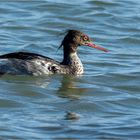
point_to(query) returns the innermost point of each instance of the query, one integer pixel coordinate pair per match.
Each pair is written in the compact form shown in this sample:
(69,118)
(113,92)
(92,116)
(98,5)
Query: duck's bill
(96,47)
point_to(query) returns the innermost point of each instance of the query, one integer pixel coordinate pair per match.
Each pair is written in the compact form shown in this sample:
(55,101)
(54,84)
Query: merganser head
(75,38)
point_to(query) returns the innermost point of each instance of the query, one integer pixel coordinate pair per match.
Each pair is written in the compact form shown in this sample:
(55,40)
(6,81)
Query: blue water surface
(106,98)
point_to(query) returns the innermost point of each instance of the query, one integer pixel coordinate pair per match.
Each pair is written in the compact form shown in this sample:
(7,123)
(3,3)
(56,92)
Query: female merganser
(20,63)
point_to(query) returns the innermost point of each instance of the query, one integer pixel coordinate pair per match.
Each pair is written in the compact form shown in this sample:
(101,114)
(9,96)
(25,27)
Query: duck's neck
(71,59)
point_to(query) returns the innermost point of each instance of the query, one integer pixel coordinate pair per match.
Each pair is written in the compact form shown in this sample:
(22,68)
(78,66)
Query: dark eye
(85,38)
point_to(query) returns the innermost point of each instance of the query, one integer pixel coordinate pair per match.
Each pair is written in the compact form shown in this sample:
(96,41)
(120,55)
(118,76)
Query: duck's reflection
(65,86)
(69,87)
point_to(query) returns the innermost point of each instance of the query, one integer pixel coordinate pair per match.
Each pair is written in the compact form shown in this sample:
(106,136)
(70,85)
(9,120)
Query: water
(106,98)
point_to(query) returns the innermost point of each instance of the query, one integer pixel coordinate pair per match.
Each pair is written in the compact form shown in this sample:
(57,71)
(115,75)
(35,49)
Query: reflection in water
(64,85)
(68,88)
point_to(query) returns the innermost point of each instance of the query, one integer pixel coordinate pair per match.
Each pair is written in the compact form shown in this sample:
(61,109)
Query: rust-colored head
(75,38)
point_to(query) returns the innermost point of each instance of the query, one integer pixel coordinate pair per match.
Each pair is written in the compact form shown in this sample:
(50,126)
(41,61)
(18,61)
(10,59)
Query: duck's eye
(85,38)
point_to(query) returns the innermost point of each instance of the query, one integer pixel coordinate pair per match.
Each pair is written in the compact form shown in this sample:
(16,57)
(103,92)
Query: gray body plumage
(39,65)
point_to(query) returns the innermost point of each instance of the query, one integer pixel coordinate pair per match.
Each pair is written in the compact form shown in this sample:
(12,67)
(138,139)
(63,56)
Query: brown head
(75,38)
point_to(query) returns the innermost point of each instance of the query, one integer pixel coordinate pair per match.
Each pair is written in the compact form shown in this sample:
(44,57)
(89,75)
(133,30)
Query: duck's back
(27,63)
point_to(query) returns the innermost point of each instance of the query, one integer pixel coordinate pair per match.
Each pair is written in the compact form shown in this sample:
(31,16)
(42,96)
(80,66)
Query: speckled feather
(33,64)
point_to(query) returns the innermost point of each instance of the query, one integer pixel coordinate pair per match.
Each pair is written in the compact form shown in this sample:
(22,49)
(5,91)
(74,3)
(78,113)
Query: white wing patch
(32,67)
(44,67)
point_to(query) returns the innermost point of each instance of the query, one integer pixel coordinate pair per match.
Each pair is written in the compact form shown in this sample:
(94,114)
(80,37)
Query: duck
(27,63)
